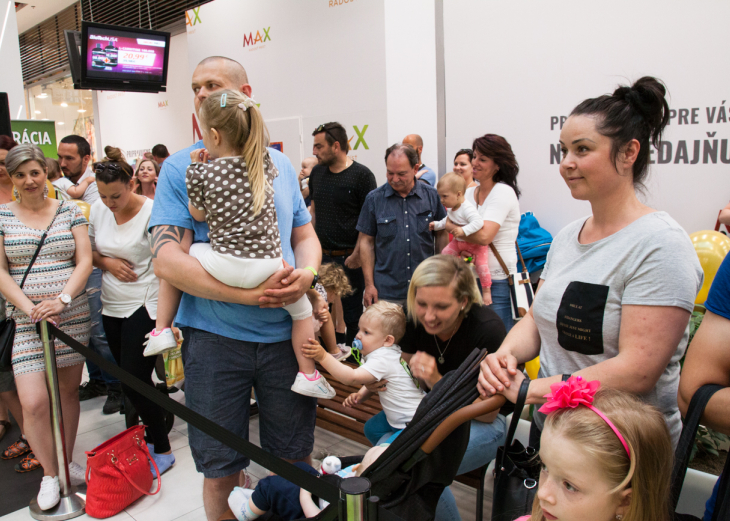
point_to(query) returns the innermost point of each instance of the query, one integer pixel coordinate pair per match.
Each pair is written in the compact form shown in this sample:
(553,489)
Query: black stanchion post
(71,504)
(354,493)
(372,508)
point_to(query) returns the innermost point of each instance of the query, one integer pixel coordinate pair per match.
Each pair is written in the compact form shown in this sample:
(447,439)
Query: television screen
(123,57)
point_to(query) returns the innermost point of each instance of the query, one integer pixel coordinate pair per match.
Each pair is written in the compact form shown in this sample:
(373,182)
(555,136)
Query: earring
(16,194)
(45,191)
(619,517)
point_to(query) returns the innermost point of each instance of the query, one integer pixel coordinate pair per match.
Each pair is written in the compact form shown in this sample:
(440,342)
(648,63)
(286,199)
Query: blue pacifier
(356,345)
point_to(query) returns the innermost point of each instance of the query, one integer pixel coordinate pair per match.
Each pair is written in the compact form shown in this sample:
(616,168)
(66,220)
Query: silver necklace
(441,353)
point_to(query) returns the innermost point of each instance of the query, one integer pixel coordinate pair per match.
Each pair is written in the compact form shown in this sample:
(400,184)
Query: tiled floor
(181,496)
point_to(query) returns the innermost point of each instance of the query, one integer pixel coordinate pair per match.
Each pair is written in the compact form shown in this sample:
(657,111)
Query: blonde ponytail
(242,127)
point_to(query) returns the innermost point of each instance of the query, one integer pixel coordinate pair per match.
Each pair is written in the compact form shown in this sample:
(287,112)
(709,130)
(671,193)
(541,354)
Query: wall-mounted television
(110,57)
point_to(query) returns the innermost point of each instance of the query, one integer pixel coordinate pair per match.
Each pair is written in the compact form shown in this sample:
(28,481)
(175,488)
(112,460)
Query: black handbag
(684,449)
(517,471)
(7,326)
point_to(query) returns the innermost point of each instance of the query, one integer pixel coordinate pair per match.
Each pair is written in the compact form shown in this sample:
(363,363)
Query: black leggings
(126,337)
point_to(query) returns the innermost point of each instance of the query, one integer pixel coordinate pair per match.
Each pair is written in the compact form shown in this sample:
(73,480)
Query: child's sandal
(17,449)
(28,464)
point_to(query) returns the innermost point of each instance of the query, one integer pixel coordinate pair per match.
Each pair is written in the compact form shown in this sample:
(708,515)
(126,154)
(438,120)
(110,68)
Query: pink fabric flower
(570,394)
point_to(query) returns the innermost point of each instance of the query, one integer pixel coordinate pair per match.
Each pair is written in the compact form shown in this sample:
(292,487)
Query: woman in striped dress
(54,290)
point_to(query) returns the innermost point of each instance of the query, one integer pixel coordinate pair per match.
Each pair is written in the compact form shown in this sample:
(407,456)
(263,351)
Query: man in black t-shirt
(338,186)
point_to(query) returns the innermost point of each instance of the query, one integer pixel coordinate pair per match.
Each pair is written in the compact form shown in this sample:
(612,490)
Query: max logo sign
(360,137)
(249,39)
(192,17)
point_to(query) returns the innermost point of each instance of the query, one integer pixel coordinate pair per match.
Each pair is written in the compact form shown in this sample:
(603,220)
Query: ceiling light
(64,104)
(87,98)
(42,95)
(82,110)
(37,111)
(60,122)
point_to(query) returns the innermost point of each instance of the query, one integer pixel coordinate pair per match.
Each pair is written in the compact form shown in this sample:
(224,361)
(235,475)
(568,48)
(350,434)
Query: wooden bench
(349,422)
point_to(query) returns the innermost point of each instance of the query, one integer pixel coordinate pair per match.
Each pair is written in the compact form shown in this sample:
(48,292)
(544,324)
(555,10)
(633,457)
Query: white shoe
(50,493)
(344,352)
(78,474)
(317,388)
(159,342)
(237,501)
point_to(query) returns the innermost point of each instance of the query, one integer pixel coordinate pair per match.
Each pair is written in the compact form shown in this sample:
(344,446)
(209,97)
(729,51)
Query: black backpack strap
(722,503)
(686,440)
(519,405)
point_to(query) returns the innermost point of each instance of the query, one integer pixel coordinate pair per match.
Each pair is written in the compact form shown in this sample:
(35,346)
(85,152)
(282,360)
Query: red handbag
(118,473)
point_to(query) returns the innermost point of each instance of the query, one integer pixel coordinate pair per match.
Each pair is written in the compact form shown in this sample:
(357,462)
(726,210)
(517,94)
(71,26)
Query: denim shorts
(219,374)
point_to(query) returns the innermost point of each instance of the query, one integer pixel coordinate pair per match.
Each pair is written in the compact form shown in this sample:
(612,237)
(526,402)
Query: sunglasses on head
(105,165)
(464,151)
(323,128)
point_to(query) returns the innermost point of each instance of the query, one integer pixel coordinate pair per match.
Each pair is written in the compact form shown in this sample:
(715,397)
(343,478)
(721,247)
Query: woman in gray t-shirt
(618,287)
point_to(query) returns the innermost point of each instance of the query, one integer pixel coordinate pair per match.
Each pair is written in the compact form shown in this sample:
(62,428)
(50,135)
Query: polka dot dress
(221,188)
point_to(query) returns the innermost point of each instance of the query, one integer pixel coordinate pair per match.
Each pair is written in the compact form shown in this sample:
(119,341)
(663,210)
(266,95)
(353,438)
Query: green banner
(41,133)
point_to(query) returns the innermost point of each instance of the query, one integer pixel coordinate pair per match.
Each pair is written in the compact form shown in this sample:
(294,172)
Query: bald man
(234,338)
(424,172)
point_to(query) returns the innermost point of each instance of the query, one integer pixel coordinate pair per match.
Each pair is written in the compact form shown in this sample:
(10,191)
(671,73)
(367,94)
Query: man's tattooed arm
(165,234)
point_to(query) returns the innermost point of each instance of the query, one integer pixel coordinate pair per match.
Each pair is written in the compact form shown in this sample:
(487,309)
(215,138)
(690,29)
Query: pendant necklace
(442,353)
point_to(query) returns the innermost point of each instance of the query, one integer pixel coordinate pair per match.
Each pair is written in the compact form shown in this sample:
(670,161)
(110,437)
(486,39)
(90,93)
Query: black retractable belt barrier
(286,470)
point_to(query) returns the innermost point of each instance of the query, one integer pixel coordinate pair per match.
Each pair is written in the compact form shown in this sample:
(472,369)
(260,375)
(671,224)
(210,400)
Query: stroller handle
(479,408)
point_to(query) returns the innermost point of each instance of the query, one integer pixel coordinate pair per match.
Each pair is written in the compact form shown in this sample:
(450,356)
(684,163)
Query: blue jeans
(97,337)
(484,440)
(711,503)
(501,303)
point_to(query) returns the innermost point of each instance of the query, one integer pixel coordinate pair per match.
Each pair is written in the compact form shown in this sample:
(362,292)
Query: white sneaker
(344,352)
(317,388)
(159,342)
(237,501)
(78,474)
(50,493)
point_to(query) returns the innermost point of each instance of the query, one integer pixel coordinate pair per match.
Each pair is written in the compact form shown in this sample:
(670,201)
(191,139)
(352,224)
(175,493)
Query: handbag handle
(501,262)
(686,440)
(519,405)
(519,253)
(120,468)
(38,250)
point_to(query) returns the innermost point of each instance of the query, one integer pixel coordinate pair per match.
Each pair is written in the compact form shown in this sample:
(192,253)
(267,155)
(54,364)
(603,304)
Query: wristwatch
(65,299)
(316,276)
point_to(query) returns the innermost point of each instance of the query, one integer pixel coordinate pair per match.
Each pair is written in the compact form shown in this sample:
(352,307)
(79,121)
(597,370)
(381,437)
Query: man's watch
(316,276)
(65,299)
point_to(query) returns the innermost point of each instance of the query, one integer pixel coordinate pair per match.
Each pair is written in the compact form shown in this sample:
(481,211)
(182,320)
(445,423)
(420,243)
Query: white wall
(135,122)
(11,78)
(511,67)
(410,64)
(319,63)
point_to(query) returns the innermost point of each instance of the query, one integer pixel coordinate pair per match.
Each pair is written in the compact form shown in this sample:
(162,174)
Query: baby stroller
(411,474)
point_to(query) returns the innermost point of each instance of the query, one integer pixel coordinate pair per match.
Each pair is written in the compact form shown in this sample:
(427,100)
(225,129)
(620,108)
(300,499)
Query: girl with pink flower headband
(605,456)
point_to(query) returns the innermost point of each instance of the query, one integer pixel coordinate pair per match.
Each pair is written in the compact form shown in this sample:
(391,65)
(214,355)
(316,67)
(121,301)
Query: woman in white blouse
(495,169)
(120,240)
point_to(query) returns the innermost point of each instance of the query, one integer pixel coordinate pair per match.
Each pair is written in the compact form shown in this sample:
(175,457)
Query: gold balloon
(83,206)
(533,367)
(711,248)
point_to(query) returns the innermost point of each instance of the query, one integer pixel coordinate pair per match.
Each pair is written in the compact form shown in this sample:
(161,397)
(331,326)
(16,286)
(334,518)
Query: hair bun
(113,153)
(647,97)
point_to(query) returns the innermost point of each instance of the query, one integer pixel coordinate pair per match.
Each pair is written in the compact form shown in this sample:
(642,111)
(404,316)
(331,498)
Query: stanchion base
(69,507)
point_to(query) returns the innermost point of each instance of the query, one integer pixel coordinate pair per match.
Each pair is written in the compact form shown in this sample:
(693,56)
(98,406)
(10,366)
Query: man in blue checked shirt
(393,225)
